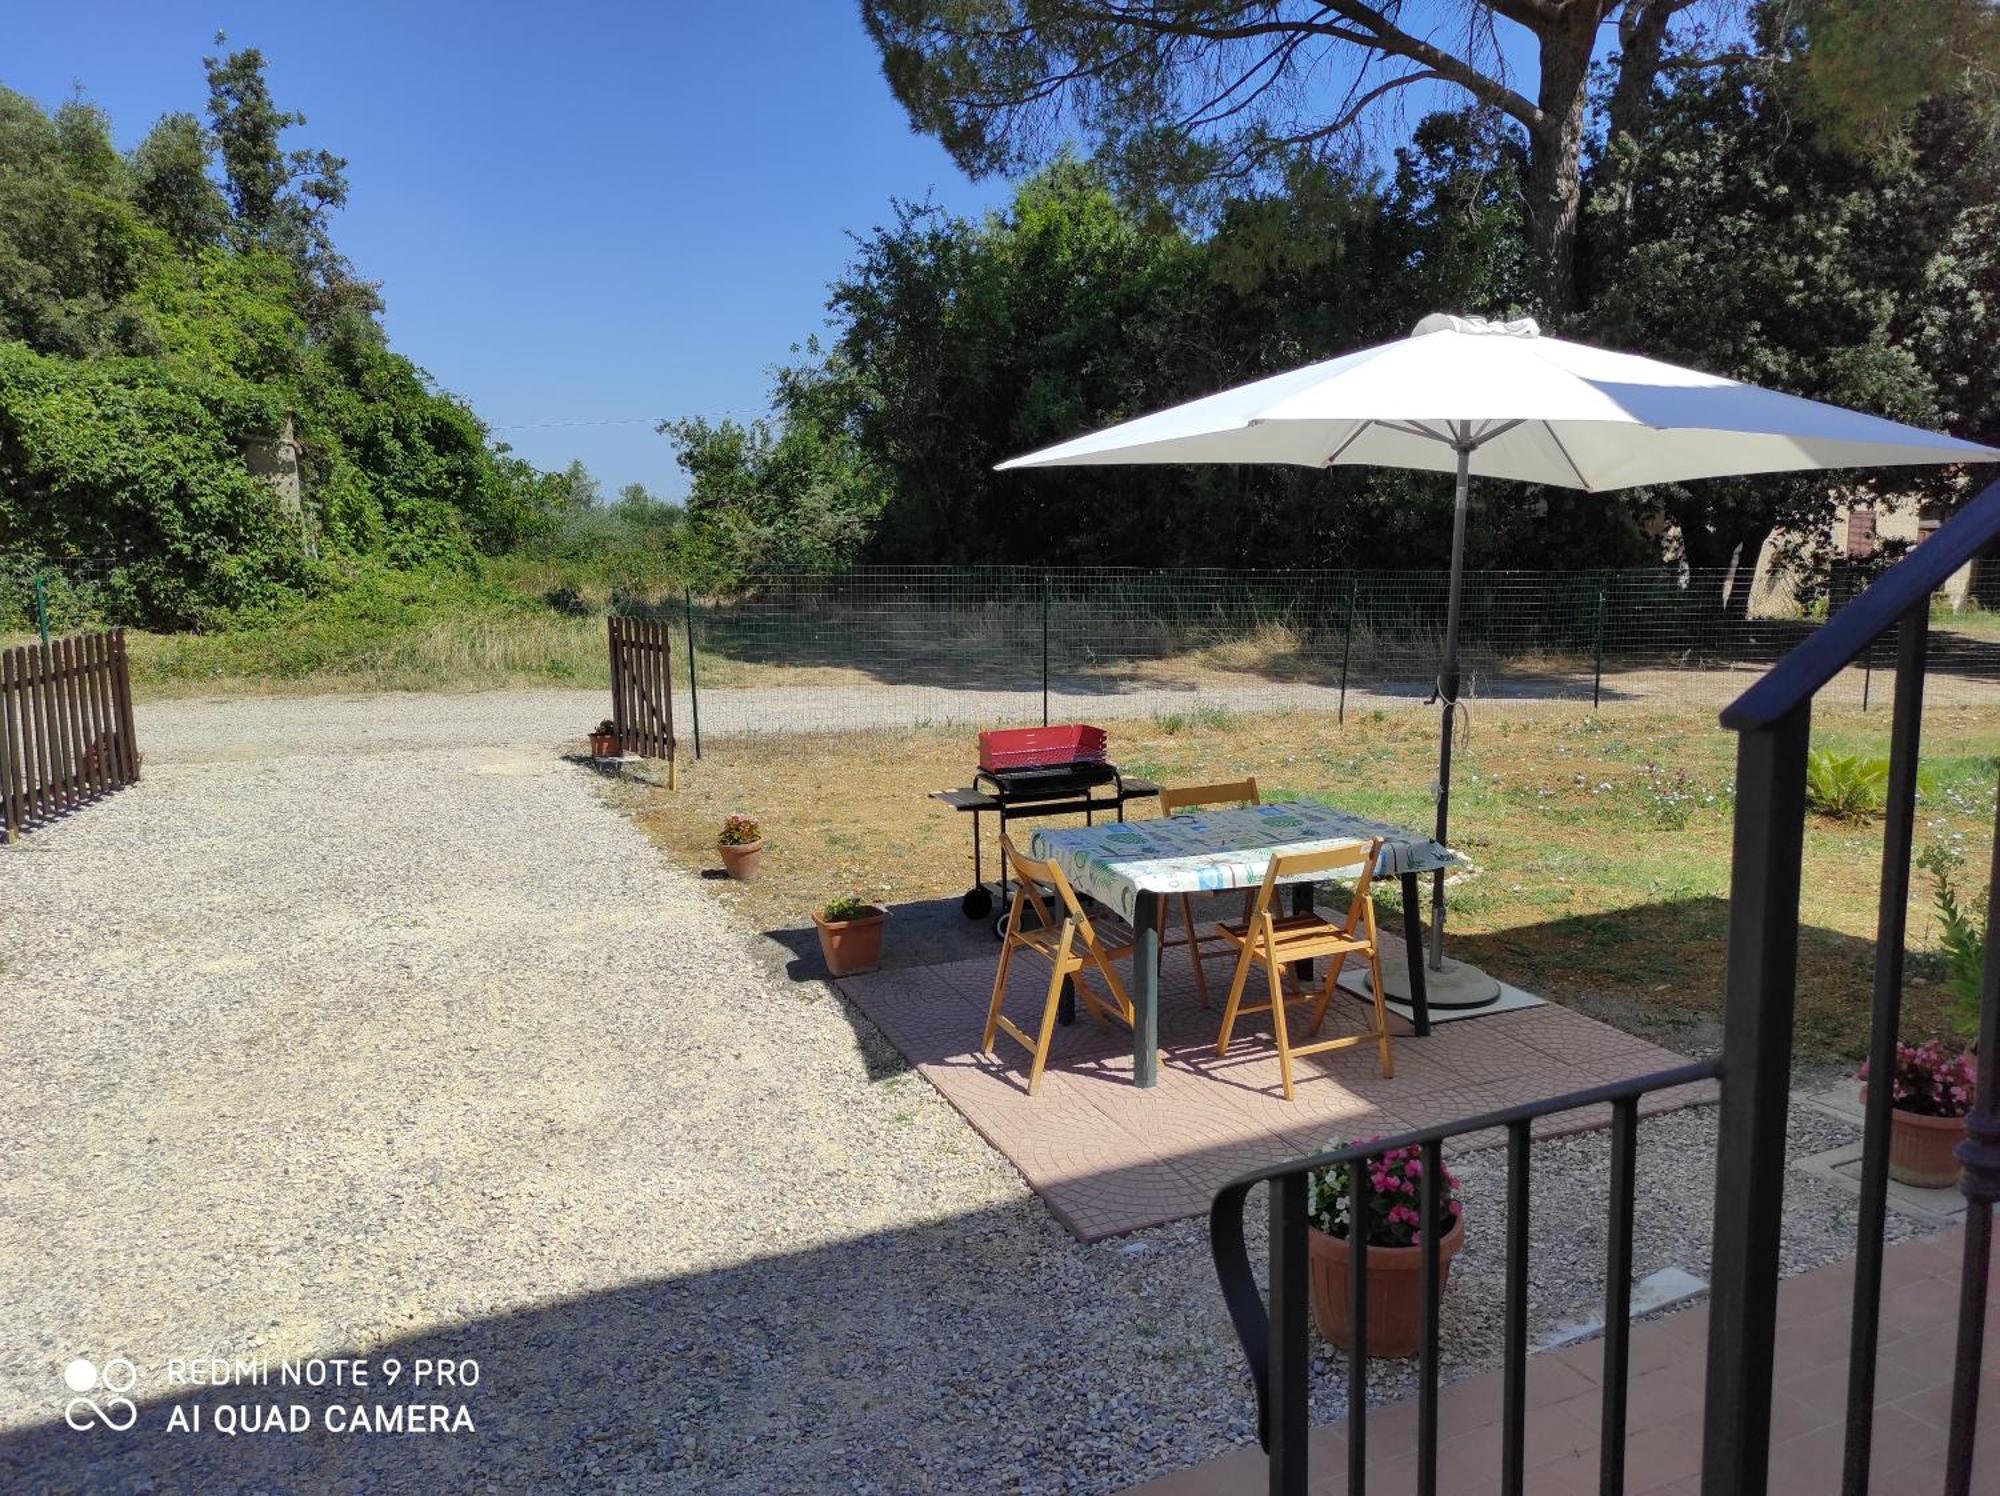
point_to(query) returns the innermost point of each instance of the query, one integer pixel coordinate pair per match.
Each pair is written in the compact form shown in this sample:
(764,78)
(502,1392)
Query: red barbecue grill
(1037,772)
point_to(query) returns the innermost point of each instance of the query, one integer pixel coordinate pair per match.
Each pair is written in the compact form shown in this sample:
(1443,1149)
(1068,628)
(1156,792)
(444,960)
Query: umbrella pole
(1448,691)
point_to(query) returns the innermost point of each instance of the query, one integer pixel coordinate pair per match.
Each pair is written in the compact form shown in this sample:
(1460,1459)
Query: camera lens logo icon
(115,1378)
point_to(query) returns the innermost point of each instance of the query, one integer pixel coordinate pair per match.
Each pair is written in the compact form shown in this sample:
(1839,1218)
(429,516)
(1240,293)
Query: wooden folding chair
(1068,947)
(1275,941)
(1191,797)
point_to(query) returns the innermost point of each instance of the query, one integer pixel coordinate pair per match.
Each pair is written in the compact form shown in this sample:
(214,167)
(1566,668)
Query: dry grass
(1602,841)
(477,653)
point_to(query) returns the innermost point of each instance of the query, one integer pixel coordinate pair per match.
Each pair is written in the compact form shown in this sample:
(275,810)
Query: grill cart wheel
(977,903)
(1000,927)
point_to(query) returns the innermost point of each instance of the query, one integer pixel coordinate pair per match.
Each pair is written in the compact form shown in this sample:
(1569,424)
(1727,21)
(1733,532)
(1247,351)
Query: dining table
(1133,867)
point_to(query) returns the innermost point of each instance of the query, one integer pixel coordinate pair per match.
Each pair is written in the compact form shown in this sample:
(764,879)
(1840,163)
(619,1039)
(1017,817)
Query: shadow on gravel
(815,1369)
(923,932)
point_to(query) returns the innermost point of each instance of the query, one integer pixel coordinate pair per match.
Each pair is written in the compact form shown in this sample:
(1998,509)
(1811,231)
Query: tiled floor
(1665,1403)
(1110,1158)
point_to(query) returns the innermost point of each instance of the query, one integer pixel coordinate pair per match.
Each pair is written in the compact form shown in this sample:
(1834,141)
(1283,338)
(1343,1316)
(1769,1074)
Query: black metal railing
(1773,723)
(1274,1338)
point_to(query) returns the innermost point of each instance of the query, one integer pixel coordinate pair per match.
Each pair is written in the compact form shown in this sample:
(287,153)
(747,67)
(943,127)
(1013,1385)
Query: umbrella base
(1453,989)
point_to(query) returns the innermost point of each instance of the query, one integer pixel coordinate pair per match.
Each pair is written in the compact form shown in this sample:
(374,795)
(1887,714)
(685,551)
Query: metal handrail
(1245,1303)
(1844,637)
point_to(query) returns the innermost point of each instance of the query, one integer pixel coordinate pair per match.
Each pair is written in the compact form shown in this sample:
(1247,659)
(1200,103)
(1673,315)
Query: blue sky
(581,214)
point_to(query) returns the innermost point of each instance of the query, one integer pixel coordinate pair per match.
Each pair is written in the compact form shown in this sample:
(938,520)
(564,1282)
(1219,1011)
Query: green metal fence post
(1347,645)
(42,607)
(1597,669)
(694,691)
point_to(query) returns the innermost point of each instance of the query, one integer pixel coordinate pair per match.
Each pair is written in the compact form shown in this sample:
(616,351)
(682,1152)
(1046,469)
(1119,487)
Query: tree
(171,183)
(1192,96)
(283,200)
(71,247)
(1182,94)
(796,494)
(1867,66)
(147,338)
(581,490)
(1742,239)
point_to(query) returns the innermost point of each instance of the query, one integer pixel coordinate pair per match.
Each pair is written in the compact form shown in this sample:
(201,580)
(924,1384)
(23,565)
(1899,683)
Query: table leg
(1413,953)
(1146,990)
(1302,903)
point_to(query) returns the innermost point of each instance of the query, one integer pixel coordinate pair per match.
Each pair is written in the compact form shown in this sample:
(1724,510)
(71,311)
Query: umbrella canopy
(1499,400)
(1527,407)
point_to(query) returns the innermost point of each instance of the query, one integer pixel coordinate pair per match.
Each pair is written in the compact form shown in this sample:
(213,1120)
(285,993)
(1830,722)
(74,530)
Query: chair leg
(1000,983)
(1098,1008)
(1333,968)
(1236,981)
(1381,1015)
(1194,950)
(1278,1024)
(1046,1031)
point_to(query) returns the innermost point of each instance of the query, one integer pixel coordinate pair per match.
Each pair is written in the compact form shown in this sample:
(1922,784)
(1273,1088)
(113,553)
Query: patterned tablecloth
(1208,851)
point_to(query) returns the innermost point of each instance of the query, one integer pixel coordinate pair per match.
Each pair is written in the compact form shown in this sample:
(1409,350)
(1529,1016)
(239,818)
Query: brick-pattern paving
(1109,1157)
(1663,1438)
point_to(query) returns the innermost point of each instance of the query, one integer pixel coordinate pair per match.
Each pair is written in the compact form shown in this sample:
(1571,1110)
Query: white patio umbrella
(1499,400)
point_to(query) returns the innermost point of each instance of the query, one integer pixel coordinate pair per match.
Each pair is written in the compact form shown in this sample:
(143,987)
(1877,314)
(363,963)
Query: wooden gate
(65,727)
(642,695)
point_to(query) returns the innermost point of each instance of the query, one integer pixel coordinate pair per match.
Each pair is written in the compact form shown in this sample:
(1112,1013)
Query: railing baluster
(1290,1394)
(1979,1181)
(1891,916)
(1514,1398)
(1758,999)
(1277,1353)
(1618,1295)
(1427,1357)
(1357,1326)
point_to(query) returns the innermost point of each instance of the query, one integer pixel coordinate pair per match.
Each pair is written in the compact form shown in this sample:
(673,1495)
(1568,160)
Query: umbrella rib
(1581,481)
(1341,450)
(1501,430)
(1417,428)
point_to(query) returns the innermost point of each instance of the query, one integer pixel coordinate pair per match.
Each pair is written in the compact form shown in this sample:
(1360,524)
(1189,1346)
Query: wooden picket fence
(642,695)
(65,727)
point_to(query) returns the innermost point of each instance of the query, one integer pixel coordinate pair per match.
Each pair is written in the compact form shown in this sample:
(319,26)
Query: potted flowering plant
(850,935)
(604,739)
(741,845)
(1929,1095)
(1394,1234)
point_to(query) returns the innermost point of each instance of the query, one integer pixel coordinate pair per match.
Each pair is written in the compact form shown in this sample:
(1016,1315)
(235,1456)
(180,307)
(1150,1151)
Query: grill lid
(1014,748)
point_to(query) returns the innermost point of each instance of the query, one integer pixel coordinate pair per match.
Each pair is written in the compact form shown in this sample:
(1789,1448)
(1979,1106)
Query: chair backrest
(1190,796)
(1029,872)
(1362,852)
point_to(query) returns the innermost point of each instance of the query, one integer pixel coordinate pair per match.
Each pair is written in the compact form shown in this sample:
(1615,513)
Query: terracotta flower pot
(852,945)
(741,862)
(1921,1149)
(1395,1290)
(603,744)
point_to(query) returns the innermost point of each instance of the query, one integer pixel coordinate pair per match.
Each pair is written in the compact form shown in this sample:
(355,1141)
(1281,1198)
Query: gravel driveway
(364,1028)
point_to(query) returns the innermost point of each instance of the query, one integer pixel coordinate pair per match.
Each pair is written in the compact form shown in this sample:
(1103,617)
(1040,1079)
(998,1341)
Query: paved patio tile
(1109,1158)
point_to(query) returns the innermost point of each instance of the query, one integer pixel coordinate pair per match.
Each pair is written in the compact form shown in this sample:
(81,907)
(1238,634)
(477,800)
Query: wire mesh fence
(57,596)
(790,652)
(900,646)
